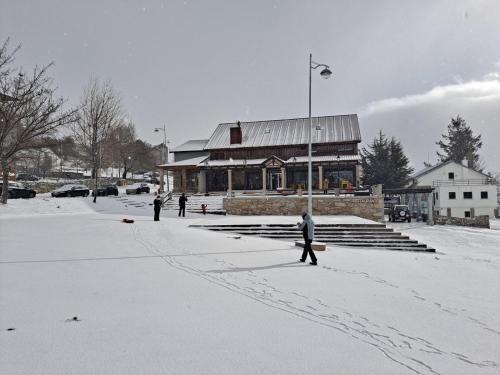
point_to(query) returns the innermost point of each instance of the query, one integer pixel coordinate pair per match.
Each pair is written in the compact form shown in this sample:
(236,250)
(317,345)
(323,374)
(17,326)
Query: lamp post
(338,172)
(325,73)
(165,159)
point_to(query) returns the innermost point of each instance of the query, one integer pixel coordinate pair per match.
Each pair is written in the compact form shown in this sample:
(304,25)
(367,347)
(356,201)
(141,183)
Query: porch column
(320,172)
(357,174)
(283,177)
(430,209)
(229,180)
(264,183)
(202,181)
(183,180)
(162,175)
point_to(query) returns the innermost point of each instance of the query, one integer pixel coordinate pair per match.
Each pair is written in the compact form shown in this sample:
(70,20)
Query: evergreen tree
(384,162)
(460,144)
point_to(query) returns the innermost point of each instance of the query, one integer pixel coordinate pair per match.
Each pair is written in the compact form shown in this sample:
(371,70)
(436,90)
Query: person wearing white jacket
(307,228)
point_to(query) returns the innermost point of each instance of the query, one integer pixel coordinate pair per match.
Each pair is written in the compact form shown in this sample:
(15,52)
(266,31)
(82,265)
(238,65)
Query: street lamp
(338,172)
(325,73)
(165,147)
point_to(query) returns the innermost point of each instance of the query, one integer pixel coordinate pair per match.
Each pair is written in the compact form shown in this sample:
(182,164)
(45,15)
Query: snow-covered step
(352,235)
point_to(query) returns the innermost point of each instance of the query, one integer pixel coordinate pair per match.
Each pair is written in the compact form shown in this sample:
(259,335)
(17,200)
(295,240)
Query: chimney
(235,134)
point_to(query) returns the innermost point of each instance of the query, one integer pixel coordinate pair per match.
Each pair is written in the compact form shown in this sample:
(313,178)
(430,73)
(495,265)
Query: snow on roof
(187,162)
(233,162)
(303,159)
(326,129)
(437,166)
(191,145)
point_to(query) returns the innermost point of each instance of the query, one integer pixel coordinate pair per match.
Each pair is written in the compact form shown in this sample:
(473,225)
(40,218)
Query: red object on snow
(128,221)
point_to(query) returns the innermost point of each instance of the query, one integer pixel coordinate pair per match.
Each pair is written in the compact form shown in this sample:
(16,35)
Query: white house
(458,190)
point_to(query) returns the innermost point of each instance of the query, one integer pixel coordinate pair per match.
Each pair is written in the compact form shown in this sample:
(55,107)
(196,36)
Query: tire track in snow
(399,348)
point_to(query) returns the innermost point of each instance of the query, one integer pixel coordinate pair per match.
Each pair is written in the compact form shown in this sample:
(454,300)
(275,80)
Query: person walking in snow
(307,228)
(157,206)
(182,204)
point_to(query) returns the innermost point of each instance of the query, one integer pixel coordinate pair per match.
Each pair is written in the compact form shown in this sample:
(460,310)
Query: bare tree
(119,146)
(100,112)
(29,111)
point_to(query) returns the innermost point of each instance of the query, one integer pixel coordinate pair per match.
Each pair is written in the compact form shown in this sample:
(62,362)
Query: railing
(472,181)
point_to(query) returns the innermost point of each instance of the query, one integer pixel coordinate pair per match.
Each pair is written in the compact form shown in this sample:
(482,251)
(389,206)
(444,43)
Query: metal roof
(191,145)
(326,129)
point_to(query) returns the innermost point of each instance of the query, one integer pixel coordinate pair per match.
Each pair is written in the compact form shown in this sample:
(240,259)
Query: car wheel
(116,194)
(409,219)
(85,194)
(138,191)
(32,194)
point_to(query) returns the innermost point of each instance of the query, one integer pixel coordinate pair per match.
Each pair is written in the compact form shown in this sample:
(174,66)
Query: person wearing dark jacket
(182,204)
(157,206)
(307,228)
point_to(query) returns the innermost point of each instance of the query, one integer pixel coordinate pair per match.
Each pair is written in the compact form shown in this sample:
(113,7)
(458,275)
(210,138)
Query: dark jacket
(157,203)
(182,200)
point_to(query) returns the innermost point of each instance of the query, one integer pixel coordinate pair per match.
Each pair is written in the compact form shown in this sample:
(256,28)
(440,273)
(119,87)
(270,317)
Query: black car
(18,191)
(26,177)
(71,191)
(400,212)
(137,188)
(106,190)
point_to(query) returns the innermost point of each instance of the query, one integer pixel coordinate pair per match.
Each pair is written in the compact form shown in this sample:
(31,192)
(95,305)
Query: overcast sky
(405,67)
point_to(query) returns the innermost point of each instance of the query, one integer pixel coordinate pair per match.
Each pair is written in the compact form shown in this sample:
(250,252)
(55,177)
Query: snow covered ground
(163,298)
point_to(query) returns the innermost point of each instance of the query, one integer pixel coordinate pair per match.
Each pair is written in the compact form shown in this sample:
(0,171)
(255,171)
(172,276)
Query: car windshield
(401,207)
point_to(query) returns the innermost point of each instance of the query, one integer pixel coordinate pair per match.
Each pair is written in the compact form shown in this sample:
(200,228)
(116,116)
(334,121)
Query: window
(437,195)
(467,194)
(452,195)
(484,195)
(451,175)
(467,213)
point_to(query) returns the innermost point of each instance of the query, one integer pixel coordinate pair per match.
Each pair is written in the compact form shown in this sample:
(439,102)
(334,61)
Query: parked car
(400,212)
(71,191)
(16,190)
(137,188)
(106,190)
(26,177)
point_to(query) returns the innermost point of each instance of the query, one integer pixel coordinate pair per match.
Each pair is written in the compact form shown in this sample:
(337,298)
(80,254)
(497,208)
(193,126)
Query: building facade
(271,155)
(459,191)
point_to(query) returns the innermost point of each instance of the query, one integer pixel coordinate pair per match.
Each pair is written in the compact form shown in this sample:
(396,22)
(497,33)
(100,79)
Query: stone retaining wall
(371,208)
(482,221)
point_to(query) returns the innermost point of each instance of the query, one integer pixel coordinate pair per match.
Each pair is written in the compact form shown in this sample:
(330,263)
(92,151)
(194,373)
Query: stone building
(270,155)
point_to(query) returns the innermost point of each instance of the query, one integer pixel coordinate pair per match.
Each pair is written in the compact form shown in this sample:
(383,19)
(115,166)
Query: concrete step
(267,235)
(351,235)
(251,227)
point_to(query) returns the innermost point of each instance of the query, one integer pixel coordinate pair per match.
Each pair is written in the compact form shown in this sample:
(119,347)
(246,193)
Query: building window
(452,195)
(451,175)
(437,196)
(484,195)
(467,194)
(467,213)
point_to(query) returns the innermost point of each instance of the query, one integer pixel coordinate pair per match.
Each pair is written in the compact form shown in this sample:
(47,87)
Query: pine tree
(460,144)
(384,162)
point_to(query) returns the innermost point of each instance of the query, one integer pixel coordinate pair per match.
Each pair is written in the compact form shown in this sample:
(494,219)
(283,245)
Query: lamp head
(326,73)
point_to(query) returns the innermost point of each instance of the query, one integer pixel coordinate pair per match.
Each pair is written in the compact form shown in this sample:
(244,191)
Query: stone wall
(482,221)
(371,208)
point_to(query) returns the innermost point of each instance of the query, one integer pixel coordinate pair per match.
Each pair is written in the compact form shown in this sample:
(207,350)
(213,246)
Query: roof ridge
(288,119)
